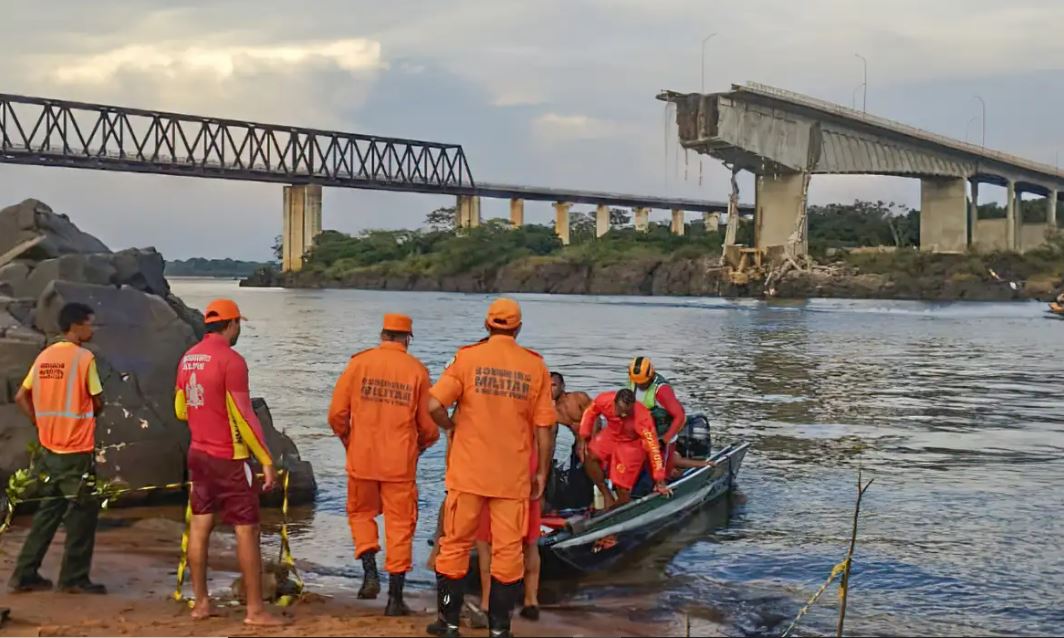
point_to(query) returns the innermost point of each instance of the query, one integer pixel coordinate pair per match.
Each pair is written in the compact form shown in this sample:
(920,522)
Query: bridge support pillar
(561,221)
(973,214)
(301,224)
(517,212)
(602,220)
(677,222)
(467,211)
(1011,236)
(943,215)
(711,221)
(1051,208)
(779,202)
(642,219)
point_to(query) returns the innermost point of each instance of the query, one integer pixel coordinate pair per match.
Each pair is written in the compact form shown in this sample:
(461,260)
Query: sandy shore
(136,559)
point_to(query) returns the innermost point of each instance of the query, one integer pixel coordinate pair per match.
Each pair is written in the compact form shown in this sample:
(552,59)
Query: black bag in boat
(568,486)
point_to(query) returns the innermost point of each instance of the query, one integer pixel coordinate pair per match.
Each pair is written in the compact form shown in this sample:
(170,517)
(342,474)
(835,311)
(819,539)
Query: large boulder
(33,218)
(143,330)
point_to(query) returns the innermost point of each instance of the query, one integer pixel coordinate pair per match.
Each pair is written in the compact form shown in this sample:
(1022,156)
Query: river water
(954,410)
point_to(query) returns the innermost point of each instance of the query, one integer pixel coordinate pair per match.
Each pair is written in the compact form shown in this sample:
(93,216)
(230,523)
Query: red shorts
(622,459)
(535,518)
(226,487)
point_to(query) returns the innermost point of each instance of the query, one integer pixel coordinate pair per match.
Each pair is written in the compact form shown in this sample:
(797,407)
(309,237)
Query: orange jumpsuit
(503,394)
(623,444)
(380,411)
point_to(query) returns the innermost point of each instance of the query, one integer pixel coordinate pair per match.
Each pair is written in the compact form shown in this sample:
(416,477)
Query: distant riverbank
(913,276)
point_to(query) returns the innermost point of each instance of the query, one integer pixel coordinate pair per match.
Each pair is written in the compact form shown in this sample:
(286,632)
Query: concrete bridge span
(785,137)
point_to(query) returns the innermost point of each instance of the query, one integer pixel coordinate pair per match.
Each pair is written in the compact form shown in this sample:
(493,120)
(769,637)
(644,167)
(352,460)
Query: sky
(553,94)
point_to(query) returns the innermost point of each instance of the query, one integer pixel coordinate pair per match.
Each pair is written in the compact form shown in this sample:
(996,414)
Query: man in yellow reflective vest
(62,395)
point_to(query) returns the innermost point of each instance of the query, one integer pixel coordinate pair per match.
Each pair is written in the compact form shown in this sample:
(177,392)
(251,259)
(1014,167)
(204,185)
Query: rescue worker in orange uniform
(655,393)
(503,394)
(622,446)
(380,412)
(62,396)
(212,395)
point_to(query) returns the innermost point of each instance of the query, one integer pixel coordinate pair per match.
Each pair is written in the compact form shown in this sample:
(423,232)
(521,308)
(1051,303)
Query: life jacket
(66,422)
(662,418)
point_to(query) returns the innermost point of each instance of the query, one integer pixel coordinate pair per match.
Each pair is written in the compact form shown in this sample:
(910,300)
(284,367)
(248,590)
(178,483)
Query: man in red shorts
(627,440)
(213,396)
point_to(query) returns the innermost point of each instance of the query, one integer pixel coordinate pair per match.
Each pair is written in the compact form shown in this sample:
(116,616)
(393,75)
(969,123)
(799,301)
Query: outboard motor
(695,440)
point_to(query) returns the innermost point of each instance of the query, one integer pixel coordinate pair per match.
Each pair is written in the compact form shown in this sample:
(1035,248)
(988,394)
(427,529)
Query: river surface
(954,409)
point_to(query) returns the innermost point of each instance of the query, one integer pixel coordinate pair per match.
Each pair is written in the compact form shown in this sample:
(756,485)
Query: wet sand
(136,560)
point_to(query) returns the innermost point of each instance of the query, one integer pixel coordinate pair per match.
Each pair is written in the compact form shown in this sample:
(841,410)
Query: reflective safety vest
(662,418)
(66,422)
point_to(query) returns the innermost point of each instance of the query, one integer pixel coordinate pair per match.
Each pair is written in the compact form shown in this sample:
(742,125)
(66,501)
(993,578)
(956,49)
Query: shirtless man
(570,406)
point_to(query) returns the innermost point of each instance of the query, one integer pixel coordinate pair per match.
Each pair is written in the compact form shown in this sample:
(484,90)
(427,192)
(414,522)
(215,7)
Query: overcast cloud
(540,93)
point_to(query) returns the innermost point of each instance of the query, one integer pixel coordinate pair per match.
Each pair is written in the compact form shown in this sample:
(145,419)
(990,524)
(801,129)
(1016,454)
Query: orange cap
(398,323)
(503,313)
(222,310)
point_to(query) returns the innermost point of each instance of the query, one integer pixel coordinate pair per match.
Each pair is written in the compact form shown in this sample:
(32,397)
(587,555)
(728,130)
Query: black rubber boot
(371,580)
(449,598)
(501,605)
(396,606)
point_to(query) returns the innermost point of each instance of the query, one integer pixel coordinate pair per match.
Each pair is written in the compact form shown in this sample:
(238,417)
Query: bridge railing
(76,134)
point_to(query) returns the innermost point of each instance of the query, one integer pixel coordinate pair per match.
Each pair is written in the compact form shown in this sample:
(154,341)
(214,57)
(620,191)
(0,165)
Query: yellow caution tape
(182,564)
(107,492)
(836,571)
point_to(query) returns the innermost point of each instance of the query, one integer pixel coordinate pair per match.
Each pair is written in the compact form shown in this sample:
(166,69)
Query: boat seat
(553,522)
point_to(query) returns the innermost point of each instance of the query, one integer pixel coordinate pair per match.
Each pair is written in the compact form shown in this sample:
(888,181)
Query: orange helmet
(640,370)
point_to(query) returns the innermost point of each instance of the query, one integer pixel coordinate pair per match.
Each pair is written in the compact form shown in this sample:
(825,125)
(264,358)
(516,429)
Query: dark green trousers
(75,508)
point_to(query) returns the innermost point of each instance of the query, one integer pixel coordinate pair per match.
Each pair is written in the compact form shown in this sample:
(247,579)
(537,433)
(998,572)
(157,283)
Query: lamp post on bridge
(864,99)
(982,103)
(704,41)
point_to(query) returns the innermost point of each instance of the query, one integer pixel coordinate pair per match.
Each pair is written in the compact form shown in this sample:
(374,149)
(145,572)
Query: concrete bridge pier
(561,221)
(301,224)
(467,211)
(779,200)
(711,221)
(1011,239)
(677,222)
(943,215)
(1033,235)
(602,220)
(642,219)
(517,212)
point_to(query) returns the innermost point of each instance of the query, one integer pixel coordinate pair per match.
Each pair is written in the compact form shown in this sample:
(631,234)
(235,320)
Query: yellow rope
(836,571)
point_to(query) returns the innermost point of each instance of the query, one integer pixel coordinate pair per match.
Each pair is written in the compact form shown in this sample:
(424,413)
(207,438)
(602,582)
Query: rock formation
(45,262)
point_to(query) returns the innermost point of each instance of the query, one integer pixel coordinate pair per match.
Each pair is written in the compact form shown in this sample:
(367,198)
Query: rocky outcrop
(143,330)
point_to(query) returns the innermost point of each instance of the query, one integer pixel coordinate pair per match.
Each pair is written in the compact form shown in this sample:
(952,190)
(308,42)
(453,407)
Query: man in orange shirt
(628,439)
(380,412)
(62,395)
(504,409)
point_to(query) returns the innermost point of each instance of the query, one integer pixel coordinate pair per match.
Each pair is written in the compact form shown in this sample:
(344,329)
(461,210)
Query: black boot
(449,595)
(371,580)
(501,605)
(396,606)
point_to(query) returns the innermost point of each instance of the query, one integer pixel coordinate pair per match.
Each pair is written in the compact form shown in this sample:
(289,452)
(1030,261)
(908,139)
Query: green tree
(278,248)
(442,219)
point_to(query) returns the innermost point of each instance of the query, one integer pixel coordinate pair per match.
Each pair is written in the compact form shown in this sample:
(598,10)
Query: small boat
(580,543)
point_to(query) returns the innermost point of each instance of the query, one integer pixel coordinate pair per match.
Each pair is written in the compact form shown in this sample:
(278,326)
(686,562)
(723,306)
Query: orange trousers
(461,518)
(398,502)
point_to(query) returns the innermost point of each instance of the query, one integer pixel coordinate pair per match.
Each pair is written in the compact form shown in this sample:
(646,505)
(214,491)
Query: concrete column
(779,200)
(711,221)
(517,213)
(1051,208)
(642,219)
(1011,236)
(602,220)
(467,210)
(973,214)
(943,215)
(677,222)
(301,224)
(561,221)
